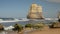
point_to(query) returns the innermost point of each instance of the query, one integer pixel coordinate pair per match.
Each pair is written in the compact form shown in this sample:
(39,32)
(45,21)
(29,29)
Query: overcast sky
(20,8)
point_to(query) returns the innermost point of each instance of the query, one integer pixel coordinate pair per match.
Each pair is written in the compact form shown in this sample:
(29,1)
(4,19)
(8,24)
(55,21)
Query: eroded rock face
(35,12)
(59,20)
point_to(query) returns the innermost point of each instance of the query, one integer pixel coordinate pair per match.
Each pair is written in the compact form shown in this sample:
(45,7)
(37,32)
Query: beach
(46,30)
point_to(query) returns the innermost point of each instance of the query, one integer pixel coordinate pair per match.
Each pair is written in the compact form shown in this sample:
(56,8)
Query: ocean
(26,22)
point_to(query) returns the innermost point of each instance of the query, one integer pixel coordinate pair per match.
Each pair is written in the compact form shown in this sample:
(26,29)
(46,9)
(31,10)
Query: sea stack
(35,12)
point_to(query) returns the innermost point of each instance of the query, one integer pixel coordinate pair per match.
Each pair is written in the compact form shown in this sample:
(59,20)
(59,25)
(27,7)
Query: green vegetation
(18,27)
(35,26)
(29,25)
(38,26)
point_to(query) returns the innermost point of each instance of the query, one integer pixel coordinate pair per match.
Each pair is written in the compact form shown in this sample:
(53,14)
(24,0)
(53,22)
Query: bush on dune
(38,25)
(28,25)
(18,27)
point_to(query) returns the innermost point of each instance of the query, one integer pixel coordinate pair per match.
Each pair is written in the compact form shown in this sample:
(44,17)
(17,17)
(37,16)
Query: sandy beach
(46,30)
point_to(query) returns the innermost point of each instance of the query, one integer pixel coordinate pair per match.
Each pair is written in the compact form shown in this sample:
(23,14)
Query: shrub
(18,27)
(28,25)
(38,25)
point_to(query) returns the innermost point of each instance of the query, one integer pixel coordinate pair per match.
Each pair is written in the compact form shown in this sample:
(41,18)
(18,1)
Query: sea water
(26,22)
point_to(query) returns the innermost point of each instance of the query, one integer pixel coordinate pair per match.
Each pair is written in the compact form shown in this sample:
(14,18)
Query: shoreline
(46,31)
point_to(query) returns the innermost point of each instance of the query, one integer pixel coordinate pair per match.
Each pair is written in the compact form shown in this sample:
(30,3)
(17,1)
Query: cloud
(55,1)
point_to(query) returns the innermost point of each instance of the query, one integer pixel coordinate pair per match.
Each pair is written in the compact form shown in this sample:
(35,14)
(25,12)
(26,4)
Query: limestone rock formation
(35,12)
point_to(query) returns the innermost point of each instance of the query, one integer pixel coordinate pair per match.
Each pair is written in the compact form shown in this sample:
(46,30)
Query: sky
(20,8)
